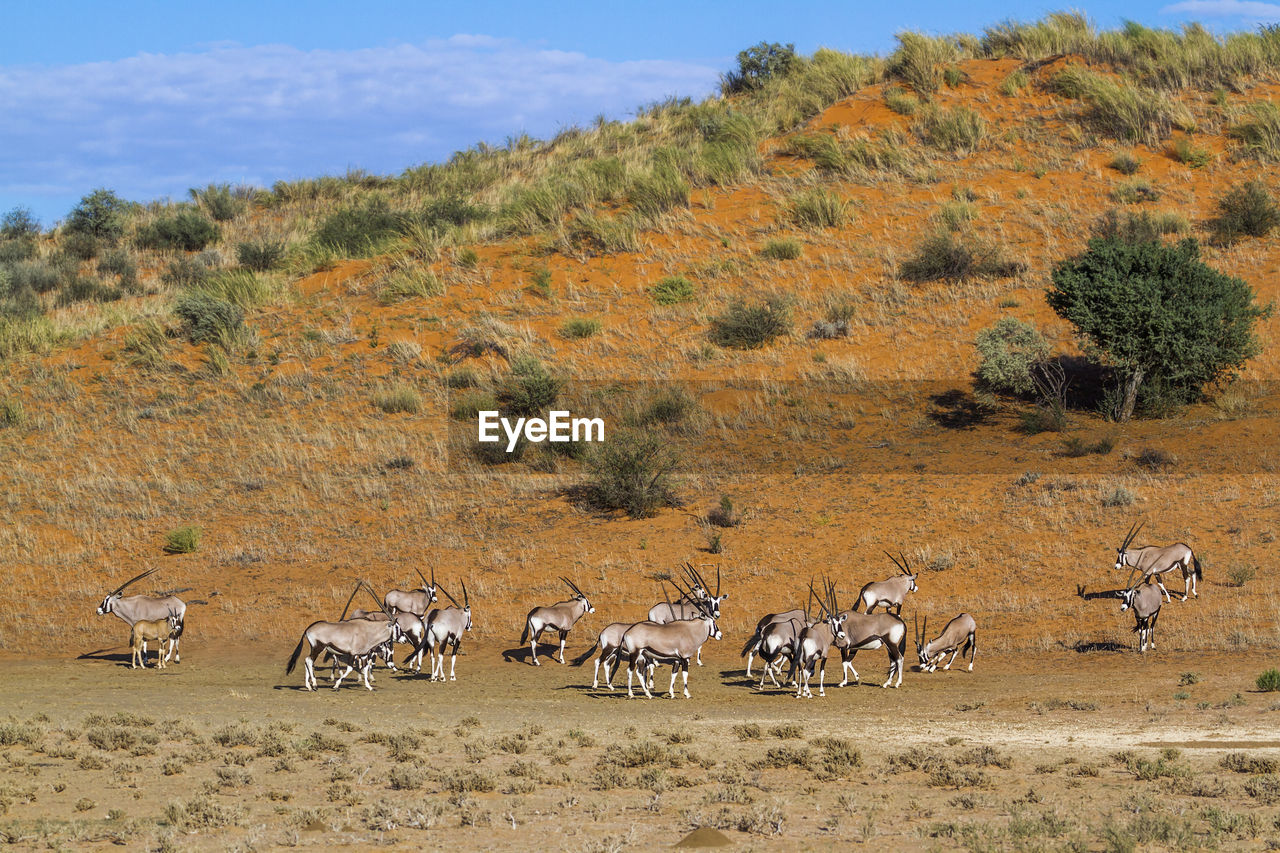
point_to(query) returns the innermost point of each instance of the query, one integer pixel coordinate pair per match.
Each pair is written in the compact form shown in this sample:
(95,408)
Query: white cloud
(1250,9)
(154,124)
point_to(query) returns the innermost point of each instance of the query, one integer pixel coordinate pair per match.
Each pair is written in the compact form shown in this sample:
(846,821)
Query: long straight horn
(916,628)
(466,600)
(364,583)
(906,564)
(350,599)
(421,575)
(452,600)
(695,577)
(717,580)
(924,632)
(131,581)
(896,563)
(821,606)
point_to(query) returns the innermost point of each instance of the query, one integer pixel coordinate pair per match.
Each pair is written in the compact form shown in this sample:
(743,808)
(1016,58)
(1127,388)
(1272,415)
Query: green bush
(672,290)
(1189,154)
(12,414)
(633,471)
(454,210)
(1138,227)
(958,130)
(658,191)
(955,257)
(186,273)
(529,388)
(1125,163)
(1157,311)
(121,264)
(901,101)
(19,224)
(36,276)
(580,327)
(102,214)
(1009,353)
(260,255)
(361,230)
(188,230)
(920,60)
(751,325)
(1247,210)
(183,540)
(209,319)
(671,405)
(1136,191)
(1260,133)
(81,245)
(781,250)
(1269,681)
(757,66)
(219,201)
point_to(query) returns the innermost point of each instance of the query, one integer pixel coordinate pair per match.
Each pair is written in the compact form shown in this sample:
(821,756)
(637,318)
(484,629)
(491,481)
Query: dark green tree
(101,214)
(758,64)
(1157,312)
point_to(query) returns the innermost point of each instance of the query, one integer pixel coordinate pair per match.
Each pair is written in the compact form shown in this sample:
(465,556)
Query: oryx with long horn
(1154,560)
(674,643)
(412,630)
(691,603)
(445,629)
(608,640)
(960,631)
(1145,601)
(755,642)
(870,631)
(415,601)
(813,644)
(350,642)
(559,617)
(890,593)
(154,608)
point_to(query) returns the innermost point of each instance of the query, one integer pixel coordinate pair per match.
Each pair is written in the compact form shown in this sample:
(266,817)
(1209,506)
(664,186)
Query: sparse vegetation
(1269,681)
(817,208)
(183,540)
(752,324)
(781,250)
(946,256)
(672,290)
(633,471)
(1247,210)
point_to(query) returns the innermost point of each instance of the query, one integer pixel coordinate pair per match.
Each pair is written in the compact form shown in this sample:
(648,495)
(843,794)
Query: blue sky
(151,98)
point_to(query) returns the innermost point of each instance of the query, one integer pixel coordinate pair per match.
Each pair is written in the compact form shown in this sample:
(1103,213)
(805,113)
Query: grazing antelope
(1153,561)
(892,592)
(350,640)
(1145,601)
(559,617)
(753,644)
(777,642)
(160,630)
(445,628)
(666,642)
(415,601)
(155,608)
(813,644)
(959,632)
(870,631)
(691,603)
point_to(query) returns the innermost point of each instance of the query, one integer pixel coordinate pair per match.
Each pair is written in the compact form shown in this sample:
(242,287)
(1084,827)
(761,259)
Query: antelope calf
(160,630)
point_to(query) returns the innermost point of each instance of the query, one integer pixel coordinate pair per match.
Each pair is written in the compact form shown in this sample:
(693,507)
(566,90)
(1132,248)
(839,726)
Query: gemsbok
(415,601)
(132,608)
(674,643)
(870,631)
(1145,601)
(889,593)
(777,642)
(752,647)
(813,644)
(959,632)
(691,603)
(412,630)
(348,641)
(160,630)
(1154,560)
(559,617)
(445,629)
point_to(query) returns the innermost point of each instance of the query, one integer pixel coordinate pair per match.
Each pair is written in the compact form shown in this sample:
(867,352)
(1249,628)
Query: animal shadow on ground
(1107,594)
(109,656)
(1098,646)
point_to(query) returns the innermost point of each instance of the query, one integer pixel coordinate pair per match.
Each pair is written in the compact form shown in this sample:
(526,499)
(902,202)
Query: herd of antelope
(673,632)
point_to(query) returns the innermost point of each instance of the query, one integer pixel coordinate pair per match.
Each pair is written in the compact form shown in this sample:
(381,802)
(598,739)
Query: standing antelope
(607,642)
(445,628)
(415,601)
(132,608)
(778,641)
(559,617)
(1154,560)
(412,630)
(753,644)
(870,631)
(960,631)
(1145,601)
(691,602)
(666,642)
(348,641)
(813,644)
(892,592)
(160,630)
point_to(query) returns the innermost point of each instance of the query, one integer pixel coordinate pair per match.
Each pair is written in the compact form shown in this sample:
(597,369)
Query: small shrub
(187,230)
(959,130)
(901,101)
(362,230)
(12,414)
(1125,163)
(952,257)
(1118,496)
(787,731)
(1187,153)
(409,283)
(725,515)
(580,327)
(1128,226)
(1240,574)
(403,778)
(183,540)
(1259,134)
(1188,678)
(1155,459)
(1242,762)
(209,319)
(747,731)
(817,208)
(672,290)
(751,325)
(954,76)
(81,246)
(836,760)
(1137,191)
(1009,353)
(399,399)
(1246,211)
(632,471)
(187,273)
(1269,681)
(670,405)
(260,255)
(529,388)
(101,213)
(658,191)
(219,201)
(1015,84)
(781,250)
